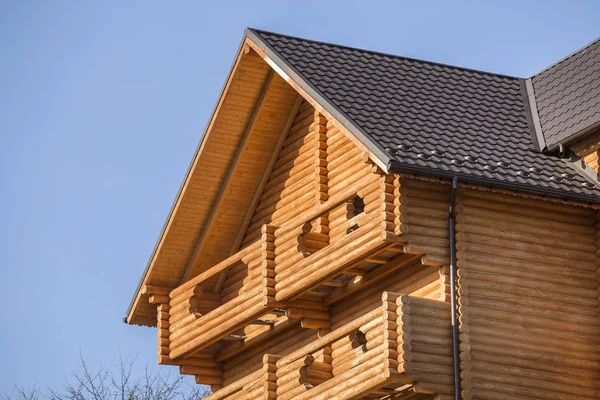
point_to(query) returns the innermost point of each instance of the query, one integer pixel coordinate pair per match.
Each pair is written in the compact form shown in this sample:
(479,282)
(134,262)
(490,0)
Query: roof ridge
(574,53)
(478,71)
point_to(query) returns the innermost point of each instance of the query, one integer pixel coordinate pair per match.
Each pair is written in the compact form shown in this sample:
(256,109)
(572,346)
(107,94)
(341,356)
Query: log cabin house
(358,225)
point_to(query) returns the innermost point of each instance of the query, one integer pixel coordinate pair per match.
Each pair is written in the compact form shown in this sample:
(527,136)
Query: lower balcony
(402,349)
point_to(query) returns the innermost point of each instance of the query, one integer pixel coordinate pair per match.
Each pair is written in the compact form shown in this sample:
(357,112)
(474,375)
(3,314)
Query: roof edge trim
(490,183)
(533,119)
(288,71)
(171,213)
(554,64)
(385,54)
(575,136)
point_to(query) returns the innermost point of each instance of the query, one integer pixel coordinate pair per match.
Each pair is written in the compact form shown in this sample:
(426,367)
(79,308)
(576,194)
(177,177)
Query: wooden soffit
(242,139)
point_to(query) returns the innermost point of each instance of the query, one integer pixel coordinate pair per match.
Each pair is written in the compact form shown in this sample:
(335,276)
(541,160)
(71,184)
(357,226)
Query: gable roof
(427,118)
(408,115)
(567,95)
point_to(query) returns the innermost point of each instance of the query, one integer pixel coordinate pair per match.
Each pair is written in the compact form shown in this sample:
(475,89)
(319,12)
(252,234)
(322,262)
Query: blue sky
(103,104)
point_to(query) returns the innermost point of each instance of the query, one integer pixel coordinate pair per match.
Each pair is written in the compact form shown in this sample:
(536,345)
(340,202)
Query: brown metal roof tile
(409,108)
(568,95)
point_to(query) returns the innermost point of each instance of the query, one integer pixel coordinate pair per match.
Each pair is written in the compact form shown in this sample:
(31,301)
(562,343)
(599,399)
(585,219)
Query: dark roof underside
(568,95)
(432,118)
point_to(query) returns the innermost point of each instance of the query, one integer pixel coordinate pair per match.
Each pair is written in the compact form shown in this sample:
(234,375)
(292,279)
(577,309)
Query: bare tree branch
(119,381)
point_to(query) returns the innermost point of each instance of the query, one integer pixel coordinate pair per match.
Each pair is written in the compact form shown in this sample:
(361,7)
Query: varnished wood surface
(337,285)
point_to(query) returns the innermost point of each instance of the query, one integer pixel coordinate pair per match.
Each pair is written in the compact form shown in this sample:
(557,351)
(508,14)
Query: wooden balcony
(259,384)
(291,275)
(400,348)
(199,319)
(307,270)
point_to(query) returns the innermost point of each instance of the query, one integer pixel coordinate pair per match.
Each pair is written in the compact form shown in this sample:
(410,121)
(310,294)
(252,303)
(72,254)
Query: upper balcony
(292,273)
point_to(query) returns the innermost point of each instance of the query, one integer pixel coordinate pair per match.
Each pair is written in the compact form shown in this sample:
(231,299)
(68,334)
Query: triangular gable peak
(229,189)
(317,161)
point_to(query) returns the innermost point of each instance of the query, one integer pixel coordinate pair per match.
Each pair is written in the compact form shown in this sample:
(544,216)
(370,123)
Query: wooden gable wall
(291,188)
(216,194)
(528,268)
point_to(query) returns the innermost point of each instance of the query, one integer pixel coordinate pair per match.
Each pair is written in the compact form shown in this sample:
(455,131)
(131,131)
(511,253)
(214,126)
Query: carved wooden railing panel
(370,366)
(305,259)
(291,275)
(400,346)
(195,331)
(404,345)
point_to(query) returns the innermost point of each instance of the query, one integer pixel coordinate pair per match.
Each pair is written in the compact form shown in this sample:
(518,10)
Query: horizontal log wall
(528,298)
(422,213)
(295,185)
(425,344)
(345,166)
(290,188)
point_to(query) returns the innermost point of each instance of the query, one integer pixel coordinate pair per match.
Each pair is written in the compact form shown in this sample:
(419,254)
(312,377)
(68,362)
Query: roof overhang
(178,254)
(181,251)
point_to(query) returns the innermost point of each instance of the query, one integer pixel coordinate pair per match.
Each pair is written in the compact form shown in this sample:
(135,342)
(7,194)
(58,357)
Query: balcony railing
(198,319)
(292,275)
(402,346)
(259,384)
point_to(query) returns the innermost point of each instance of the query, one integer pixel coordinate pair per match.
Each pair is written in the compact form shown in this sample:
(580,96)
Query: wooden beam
(243,51)
(363,281)
(200,244)
(265,177)
(240,347)
(159,299)
(155,290)
(316,105)
(260,188)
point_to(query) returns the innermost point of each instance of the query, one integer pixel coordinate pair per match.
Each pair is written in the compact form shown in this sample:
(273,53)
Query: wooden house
(358,225)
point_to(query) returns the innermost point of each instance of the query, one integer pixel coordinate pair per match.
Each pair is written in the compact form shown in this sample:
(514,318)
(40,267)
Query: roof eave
(397,167)
(575,136)
(137,294)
